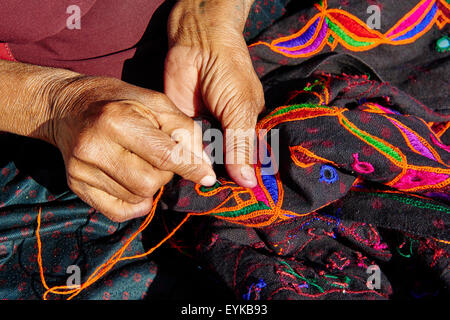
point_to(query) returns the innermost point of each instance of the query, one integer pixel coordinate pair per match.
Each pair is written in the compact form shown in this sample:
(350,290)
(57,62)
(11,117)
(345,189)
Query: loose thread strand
(101,270)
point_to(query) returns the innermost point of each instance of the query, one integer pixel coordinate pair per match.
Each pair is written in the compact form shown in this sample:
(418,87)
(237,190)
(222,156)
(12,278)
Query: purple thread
(304,285)
(301,39)
(438,195)
(415,142)
(314,45)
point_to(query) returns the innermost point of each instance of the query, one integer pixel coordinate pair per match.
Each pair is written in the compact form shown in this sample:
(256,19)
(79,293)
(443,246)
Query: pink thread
(361,167)
(386,110)
(380,246)
(411,19)
(414,178)
(259,194)
(441,145)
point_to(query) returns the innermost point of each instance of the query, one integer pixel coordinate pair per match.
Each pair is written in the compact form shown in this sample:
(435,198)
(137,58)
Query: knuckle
(147,186)
(85,148)
(109,118)
(71,169)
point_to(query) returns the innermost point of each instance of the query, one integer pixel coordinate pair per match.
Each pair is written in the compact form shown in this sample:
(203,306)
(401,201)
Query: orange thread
(112,261)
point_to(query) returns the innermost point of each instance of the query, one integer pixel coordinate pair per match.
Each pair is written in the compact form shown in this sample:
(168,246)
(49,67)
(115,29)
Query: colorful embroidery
(264,202)
(328,174)
(361,167)
(333,26)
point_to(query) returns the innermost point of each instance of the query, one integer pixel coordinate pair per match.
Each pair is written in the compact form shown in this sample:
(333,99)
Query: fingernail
(208,181)
(248,174)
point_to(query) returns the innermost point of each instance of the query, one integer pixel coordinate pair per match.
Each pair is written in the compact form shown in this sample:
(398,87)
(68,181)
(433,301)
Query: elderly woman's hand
(208,66)
(121,143)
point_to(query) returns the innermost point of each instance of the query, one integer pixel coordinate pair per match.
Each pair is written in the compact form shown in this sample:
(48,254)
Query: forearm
(27,98)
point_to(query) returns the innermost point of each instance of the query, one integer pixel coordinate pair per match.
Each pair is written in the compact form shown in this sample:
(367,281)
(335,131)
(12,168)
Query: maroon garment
(36,32)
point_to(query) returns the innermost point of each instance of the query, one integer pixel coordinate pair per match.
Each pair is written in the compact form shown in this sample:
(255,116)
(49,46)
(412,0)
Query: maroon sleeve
(36,32)
(31,21)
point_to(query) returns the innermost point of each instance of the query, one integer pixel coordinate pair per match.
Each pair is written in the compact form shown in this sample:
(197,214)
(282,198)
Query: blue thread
(328,174)
(425,22)
(261,284)
(246,296)
(270,183)
(338,222)
(266,162)
(424,294)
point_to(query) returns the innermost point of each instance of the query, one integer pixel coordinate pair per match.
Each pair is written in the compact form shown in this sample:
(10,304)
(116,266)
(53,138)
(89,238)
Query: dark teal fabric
(72,233)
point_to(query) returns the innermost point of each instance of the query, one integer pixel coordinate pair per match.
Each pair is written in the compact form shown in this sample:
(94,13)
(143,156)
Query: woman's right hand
(121,143)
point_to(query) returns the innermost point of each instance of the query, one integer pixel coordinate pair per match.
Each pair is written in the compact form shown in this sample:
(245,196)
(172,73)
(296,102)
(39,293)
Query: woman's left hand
(208,66)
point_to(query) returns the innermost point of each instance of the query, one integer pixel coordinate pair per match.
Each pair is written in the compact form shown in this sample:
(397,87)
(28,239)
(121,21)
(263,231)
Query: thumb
(240,138)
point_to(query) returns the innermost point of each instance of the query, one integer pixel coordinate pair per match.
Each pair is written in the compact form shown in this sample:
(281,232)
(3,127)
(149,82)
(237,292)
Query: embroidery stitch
(333,26)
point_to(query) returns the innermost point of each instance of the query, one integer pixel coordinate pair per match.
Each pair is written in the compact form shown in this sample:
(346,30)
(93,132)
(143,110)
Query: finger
(181,154)
(98,179)
(163,153)
(113,208)
(180,127)
(234,94)
(127,169)
(239,118)
(240,149)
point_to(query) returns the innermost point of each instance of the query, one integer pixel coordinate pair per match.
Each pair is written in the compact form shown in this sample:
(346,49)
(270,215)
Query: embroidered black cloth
(362,117)
(363,179)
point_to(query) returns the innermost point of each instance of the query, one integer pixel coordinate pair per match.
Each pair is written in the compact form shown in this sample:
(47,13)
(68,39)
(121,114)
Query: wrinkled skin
(208,67)
(121,146)
(122,143)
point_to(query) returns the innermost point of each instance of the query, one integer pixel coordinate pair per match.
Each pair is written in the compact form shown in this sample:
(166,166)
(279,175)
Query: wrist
(25,95)
(199,20)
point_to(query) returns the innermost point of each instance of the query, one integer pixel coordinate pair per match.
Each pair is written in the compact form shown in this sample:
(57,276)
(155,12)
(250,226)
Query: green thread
(346,280)
(415,203)
(344,36)
(443,44)
(208,189)
(294,107)
(308,281)
(374,142)
(311,86)
(243,211)
(411,241)
(330,39)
